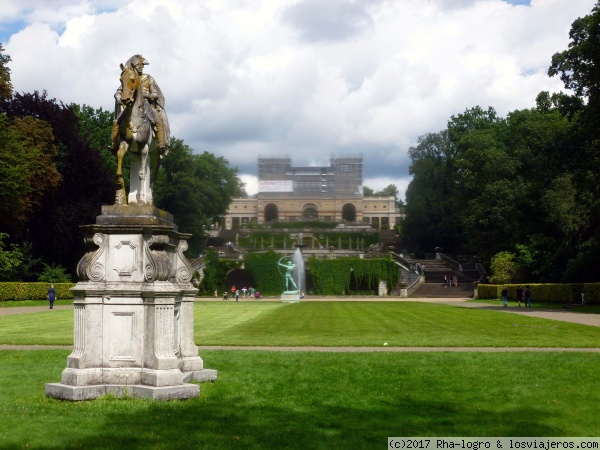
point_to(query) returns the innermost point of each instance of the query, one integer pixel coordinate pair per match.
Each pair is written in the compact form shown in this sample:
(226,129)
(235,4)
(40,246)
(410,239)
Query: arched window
(271,212)
(349,212)
(310,211)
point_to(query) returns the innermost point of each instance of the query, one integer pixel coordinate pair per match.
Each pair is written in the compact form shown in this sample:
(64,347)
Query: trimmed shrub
(592,293)
(488,291)
(547,293)
(33,291)
(265,271)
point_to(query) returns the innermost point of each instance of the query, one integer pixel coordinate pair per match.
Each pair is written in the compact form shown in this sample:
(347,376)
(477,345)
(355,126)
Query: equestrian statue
(140,127)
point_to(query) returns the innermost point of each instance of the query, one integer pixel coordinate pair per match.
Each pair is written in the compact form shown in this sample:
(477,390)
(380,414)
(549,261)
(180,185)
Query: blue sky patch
(8,29)
(519,2)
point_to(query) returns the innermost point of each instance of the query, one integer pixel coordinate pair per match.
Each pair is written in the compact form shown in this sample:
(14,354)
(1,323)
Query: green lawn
(326,400)
(402,324)
(313,400)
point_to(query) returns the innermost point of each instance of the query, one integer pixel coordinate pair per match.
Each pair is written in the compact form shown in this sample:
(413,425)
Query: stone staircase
(386,237)
(434,286)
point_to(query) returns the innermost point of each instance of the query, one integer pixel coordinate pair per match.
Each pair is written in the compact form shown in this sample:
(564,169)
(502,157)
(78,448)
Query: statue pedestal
(291,296)
(134,312)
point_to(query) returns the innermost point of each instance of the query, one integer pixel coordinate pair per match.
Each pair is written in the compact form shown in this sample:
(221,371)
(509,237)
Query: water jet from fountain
(298,273)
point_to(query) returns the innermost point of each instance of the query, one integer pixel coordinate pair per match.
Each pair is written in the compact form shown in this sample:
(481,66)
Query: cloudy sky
(304,78)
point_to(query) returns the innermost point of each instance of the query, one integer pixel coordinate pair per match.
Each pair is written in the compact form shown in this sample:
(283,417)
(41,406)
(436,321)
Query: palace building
(329,193)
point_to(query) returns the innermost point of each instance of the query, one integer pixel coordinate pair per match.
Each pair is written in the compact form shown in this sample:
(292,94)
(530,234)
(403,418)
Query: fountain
(298,272)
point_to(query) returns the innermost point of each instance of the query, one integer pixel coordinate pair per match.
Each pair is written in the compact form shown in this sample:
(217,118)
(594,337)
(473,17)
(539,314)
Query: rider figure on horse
(156,113)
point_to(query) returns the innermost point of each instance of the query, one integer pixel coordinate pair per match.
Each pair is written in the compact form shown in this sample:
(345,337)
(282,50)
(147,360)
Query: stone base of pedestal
(200,375)
(91,392)
(290,298)
(133,312)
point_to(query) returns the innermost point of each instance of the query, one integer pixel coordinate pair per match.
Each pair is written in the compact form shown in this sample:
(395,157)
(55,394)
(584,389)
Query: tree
(84,186)
(578,65)
(27,170)
(42,174)
(430,220)
(13,176)
(579,70)
(5,83)
(54,274)
(503,267)
(489,185)
(16,261)
(196,189)
(95,126)
(389,191)
(11,260)
(368,192)
(472,119)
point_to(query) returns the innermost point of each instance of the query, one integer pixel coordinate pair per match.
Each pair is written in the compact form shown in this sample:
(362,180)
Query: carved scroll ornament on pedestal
(89,267)
(184,269)
(158,263)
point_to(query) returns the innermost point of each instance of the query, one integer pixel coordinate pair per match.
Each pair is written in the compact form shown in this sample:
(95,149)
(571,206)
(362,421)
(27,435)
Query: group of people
(235,293)
(520,294)
(451,280)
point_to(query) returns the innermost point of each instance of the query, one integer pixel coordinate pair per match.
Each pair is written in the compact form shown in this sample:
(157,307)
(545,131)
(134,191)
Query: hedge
(546,293)
(329,276)
(265,271)
(332,276)
(33,291)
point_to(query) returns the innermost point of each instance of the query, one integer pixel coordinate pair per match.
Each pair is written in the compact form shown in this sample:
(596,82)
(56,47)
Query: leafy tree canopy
(196,189)
(578,65)
(503,268)
(5,83)
(489,184)
(95,126)
(71,182)
(15,260)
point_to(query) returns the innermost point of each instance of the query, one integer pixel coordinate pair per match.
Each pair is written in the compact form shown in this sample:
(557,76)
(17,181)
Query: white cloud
(334,20)
(303,78)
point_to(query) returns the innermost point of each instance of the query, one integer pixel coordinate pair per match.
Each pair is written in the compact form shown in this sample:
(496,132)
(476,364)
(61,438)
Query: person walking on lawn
(527,297)
(51,296)
(519,295)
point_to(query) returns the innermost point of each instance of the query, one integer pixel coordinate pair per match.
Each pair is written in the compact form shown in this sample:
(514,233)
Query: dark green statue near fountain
(289,268)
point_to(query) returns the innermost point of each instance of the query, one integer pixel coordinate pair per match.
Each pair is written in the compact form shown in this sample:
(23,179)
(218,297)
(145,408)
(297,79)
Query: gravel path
(552,314)
(30,309)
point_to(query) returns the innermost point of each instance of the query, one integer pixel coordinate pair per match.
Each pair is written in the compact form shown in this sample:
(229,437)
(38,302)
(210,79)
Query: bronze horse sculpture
(136,136)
